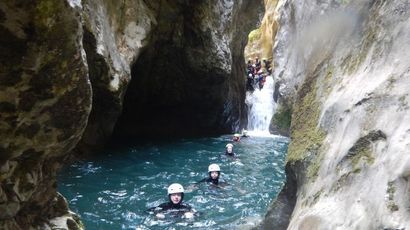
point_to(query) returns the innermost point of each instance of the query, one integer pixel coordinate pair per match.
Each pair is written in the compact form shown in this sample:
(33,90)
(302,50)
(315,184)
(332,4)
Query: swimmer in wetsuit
(214,172)
(229,150)
(175,206)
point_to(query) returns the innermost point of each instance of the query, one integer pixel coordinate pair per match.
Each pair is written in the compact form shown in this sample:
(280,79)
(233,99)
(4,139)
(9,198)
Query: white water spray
(261,107)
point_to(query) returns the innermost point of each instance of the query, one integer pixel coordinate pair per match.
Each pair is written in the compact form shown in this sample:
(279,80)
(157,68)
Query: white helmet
(175,188)
(213,168)
(229,145)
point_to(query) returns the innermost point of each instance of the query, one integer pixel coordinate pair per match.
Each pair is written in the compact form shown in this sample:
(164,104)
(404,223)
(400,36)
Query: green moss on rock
(306,135)
(282,117)
(362,154)
(362,150)
(254,35)
(314,166)
(391,189)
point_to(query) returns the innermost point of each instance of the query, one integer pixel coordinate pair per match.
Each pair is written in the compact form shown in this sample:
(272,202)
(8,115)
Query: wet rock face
(189,80)
(45,100)
(114,35)
(65,67)
(345,67)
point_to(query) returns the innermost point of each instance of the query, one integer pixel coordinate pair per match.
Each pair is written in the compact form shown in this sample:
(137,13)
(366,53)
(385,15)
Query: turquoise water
(114,190)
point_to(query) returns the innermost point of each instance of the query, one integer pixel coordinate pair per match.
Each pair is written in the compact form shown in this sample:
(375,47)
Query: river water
(114,190)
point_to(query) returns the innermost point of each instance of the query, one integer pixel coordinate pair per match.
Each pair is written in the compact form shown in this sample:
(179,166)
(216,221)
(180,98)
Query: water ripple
(113,192)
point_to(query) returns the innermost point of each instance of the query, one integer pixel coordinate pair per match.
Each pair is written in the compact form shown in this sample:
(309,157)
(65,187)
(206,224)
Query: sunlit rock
(345,70)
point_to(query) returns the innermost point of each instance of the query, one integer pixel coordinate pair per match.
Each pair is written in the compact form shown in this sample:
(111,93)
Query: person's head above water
(229,148)
(175,193)
(214,172)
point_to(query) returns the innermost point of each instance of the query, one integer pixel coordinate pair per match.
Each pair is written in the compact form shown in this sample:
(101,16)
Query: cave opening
(189,80)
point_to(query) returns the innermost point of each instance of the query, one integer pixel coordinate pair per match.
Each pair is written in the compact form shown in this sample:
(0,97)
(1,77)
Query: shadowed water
(113,191)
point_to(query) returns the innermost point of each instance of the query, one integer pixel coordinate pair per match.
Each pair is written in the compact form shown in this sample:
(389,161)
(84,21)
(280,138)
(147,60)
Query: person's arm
(189,213)
(194,186)
(157,211)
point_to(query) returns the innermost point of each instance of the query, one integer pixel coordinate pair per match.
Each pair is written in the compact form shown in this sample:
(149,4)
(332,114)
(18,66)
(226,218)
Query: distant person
(229,150)
(258,64)
(236,137)
(174,206)
(261,80)
(214,172)
(249,82)
(249,64)
(268,67)
(244,133)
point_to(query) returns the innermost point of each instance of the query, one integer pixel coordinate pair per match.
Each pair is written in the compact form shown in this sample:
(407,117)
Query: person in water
(245,133)
(229,150)
(236,137)
(174,206)
(214,172)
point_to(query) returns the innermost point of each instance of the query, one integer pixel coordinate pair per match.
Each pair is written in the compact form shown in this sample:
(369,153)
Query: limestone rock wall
(114,35)
(45,100)
(260,40)
(344,67)
(190,80)
(65,67)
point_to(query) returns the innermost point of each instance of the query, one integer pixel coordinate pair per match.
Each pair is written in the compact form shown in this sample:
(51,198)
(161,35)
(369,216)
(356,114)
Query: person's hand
(191,188)
(160,216)
(189,215)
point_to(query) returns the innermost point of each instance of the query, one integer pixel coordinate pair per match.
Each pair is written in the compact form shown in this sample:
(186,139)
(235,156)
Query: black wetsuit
(175,210)
(258,64)
(214,182)
(210,180)
(232,154)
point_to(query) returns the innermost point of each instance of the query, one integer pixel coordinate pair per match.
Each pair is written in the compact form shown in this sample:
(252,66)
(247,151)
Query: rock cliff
(190,79)
(260,40)
(65,69)
(345,72)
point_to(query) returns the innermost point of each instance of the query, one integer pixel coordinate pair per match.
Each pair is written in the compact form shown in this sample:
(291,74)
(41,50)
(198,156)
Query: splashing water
(261,107)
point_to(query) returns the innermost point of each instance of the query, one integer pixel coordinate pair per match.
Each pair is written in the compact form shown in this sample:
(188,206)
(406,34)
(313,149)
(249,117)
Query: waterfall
(261,107)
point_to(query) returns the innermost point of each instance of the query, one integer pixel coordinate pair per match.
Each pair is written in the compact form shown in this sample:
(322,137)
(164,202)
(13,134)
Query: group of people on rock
(256,75)
(175,207)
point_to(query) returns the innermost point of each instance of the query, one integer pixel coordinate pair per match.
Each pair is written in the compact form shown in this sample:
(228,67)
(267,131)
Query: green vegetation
(254,35)
(306,135)
(362,153)
(46,12)
(282,117)
(316,196)
(327,84)
(314,166)
(352,62)
(391,189)
(340,182)
(362,150)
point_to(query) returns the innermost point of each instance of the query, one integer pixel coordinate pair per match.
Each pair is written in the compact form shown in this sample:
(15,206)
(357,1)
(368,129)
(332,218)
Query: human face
(214,175)
(229,149)
(176,198)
